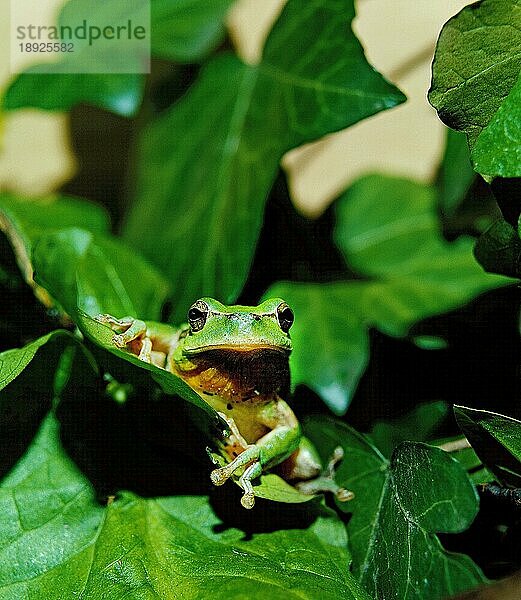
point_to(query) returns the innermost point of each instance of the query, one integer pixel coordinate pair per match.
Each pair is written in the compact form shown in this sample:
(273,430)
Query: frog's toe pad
(343,495)
(219,476)
(248,500)
(119,341)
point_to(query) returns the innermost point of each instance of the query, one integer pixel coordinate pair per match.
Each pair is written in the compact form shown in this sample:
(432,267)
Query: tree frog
(236,359)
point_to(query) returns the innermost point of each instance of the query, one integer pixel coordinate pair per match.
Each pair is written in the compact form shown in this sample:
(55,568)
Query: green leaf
(476,65)
(498,148)
(397,509)
(31,217)
(23,221)
(148,548)
(48,517)
(186,30)
(455,175)
(97,274)
(13,362)
(211,189)
(118,93)
(330,344)
(388,231)
(417,425)
(398,243)
(496,439)
(30,379)
(498,249)
(76,76)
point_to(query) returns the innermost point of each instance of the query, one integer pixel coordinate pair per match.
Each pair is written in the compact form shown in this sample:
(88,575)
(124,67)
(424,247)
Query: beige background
(399,38)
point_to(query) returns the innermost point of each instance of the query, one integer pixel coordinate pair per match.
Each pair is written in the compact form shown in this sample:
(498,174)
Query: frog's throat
(238,376)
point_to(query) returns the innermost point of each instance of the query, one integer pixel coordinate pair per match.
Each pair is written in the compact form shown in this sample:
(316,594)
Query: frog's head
(238,352)
(214,326)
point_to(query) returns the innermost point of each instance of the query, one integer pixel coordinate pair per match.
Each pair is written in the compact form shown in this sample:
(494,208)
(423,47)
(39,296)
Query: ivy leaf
(211,189)
(97,274)
(31,217)
(496,439)
(186,30)
(455,175)
(398,242)
(498,249)
(27,387)
(388,231)
(43,497)
(118,93)
(75,77)
(14,361)
(330,343)
(475,68)
(149,547)
(416,425)
(498,148)
(397,510)
(23,221)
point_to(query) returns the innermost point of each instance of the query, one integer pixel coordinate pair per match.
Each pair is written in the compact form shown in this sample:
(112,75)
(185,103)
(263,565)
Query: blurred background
(38,148)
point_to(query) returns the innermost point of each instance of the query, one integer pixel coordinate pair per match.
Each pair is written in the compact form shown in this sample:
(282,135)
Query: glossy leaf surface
(211,189)
(398,508)
(149,547)
(474,74)
(411,273)
(496,439)
(97,274)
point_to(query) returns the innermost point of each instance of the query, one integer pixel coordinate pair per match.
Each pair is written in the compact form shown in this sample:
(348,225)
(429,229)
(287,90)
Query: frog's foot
(325,482)
(250,455)
(252,472)
(127,330)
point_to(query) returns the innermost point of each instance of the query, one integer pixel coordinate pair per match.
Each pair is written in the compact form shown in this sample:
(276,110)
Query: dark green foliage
(475,85)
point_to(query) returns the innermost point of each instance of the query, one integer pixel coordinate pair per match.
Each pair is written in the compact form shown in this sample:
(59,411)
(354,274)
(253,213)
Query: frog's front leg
(270,449)
(127,329)
(134,335)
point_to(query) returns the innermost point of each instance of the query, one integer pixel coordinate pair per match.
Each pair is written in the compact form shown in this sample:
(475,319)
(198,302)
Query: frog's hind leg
(325,482)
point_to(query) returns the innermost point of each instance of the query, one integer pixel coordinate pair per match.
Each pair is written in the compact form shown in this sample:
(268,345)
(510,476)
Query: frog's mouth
(249,370)
(237,349)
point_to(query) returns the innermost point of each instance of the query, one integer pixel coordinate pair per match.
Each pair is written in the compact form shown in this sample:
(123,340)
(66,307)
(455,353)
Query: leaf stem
(455,445)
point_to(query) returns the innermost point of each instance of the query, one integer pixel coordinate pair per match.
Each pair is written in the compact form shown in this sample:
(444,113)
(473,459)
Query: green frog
(237,359)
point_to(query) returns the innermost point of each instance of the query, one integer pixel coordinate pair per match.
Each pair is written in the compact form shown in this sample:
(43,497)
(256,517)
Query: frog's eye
(285,317)
(197,315)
